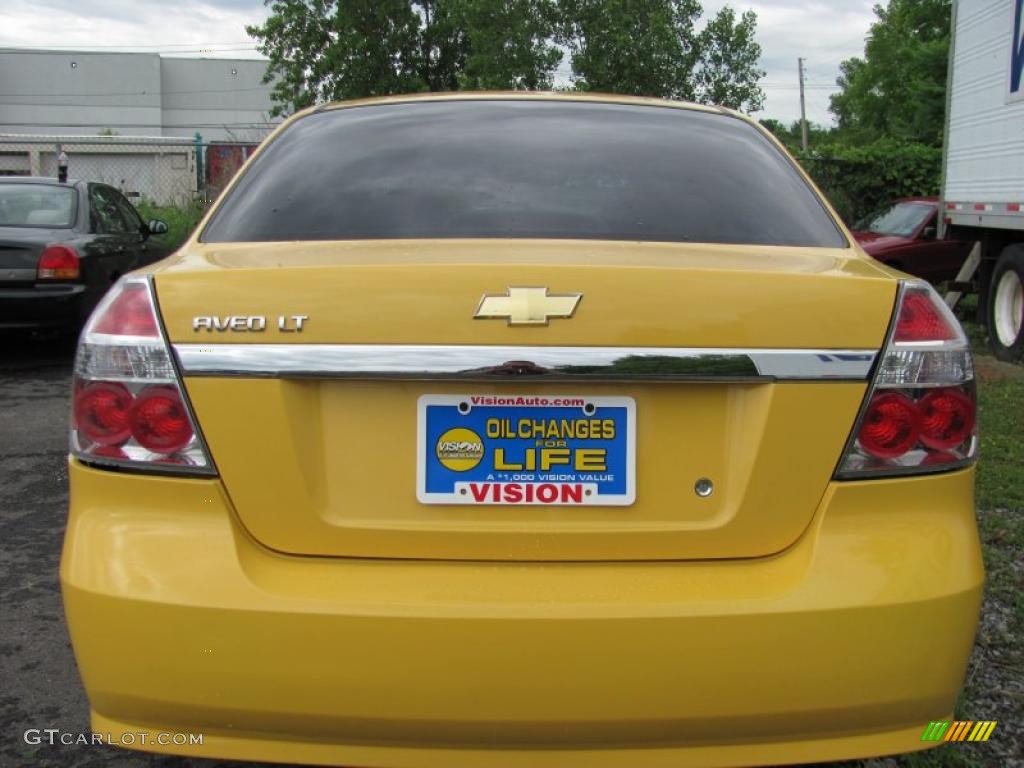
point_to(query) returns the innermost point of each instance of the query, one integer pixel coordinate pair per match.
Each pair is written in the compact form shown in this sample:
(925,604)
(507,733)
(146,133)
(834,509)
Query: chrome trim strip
(490,363)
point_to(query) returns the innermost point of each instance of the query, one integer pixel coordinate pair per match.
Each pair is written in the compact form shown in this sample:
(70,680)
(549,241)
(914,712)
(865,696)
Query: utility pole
(803,107)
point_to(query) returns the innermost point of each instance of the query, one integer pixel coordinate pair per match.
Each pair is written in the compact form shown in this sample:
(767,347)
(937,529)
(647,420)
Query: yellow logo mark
(527,306)
(959,730)
(459,449)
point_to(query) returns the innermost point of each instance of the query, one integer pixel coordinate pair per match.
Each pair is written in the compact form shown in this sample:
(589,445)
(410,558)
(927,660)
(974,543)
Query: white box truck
(983,162)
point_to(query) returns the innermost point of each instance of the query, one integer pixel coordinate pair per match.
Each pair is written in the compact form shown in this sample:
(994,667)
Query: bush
(861,179)
(180,221)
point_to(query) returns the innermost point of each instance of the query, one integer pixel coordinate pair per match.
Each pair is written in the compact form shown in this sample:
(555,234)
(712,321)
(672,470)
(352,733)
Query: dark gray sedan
(62,246)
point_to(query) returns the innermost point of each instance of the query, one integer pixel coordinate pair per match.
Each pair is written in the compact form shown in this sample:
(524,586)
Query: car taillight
(919,413)
(160,421)
(130,315)
(58,262)
(101,412)
(890,426)
(128,406)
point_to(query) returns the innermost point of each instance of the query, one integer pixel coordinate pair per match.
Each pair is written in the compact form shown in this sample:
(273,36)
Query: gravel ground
(41,687)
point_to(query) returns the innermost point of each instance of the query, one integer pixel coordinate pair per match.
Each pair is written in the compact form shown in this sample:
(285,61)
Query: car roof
(50,180)
(561,96)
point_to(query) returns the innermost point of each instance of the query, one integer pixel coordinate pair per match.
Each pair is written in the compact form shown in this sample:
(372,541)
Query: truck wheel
(1006,305)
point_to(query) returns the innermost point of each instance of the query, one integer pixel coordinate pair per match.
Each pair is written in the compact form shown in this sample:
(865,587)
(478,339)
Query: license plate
(526,449)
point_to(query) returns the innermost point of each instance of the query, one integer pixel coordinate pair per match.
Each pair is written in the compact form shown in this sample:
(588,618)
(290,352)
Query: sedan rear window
(901,219)
(36,205)
(523,169)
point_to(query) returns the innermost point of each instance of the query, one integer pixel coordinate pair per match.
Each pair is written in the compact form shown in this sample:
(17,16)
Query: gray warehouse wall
(225,98)
(133,94)
(73,92)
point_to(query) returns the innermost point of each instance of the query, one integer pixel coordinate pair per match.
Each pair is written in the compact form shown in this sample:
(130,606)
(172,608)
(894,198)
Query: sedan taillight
(128,406)
(58,262)
(919,413)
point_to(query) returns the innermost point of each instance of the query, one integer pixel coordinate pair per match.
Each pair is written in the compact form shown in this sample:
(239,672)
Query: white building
(83,93)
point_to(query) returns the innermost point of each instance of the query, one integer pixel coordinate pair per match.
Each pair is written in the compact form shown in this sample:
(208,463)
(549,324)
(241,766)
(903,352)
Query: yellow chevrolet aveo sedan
(522,430)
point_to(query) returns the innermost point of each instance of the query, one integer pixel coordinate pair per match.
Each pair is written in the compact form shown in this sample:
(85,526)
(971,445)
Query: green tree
(323,50)
(638,47)
(820,137)
(727,71)
(488,45)
(508,45)
(860,179)
(898,89)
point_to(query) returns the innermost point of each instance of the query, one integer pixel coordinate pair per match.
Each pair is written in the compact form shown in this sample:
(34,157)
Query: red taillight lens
(890,427)
(129,314)
(919,415)
(947,418)
(159,420)
(58,262)
(101,412)
(920,320)
(129,408)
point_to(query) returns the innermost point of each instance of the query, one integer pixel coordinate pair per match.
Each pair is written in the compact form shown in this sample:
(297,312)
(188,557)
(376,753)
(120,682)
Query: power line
(128,93)
(142,125)
(90,46)
(256,111)
(86,51)
(816,87)
(198,50)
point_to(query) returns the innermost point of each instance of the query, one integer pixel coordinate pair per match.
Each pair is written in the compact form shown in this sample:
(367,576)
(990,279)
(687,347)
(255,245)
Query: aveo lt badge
(250,323)
(527,306)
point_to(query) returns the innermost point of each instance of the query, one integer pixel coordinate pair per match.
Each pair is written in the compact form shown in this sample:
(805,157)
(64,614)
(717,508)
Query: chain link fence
(174,179)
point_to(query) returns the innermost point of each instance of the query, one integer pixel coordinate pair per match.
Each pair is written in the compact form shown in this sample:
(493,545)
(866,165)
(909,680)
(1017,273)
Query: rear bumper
(51,306)
(847,644)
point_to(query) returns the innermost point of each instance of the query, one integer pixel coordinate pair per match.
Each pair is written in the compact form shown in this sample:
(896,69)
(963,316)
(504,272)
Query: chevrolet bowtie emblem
(527,306)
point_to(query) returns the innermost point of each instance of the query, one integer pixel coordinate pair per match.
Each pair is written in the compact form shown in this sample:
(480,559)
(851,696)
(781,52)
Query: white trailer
(983,162)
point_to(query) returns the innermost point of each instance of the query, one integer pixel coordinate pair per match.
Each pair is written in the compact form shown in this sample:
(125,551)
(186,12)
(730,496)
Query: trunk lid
(324,464)
(20,250)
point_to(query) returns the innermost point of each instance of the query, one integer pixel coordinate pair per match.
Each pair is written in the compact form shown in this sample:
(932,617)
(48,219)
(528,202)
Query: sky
(822,32)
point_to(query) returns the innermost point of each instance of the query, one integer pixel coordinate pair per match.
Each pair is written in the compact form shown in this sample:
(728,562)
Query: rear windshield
(36,205)
(523,169)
